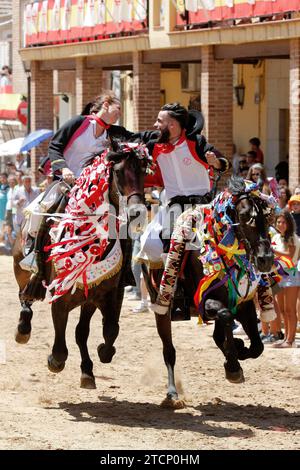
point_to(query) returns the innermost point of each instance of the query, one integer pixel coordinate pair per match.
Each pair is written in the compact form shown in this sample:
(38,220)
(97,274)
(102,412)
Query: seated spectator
(255,147)
(7,240)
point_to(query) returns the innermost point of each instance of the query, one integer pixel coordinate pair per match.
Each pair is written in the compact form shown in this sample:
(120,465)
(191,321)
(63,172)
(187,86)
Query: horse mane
(236,185)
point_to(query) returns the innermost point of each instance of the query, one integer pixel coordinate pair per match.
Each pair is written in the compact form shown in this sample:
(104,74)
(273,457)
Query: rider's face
(114,112)
(165,124)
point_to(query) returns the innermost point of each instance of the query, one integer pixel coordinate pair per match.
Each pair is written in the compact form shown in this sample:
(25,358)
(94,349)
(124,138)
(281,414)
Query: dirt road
(41,410)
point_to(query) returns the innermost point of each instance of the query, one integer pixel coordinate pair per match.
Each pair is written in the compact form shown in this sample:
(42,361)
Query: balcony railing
(193,14)
(62,21)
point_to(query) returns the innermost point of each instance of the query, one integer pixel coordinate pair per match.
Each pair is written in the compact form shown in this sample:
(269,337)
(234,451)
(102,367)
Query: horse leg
(223,337)
(163,324)
(110,308)
(82,333)
(60,313)
(23,331)
(248,318)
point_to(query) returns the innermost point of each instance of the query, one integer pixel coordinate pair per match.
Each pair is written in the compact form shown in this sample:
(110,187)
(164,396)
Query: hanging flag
(191,5)
(89,18)
(66,16)
(80,13)
(43,23)
(55,16)
(126,10)
(208,4)
(140,10)
(100,15)
(116,11)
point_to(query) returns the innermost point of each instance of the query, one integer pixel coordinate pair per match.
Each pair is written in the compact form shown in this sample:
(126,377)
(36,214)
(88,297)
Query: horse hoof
(235,377)
(55,366)
(87,381)
(21,338)
(106,353)
(172,403)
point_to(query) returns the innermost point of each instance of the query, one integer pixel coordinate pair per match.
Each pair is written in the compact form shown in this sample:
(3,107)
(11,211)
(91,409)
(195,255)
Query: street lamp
(27,70)
(240,94)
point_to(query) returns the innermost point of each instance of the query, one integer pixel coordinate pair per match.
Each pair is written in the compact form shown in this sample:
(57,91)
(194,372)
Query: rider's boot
(28,263)
(180,306)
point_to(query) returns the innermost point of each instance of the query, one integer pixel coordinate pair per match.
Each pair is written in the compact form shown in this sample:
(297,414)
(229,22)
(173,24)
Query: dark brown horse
(249,223)
(128,169)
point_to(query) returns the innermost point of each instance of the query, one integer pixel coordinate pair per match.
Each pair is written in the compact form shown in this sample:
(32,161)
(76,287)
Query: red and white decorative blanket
(81,236)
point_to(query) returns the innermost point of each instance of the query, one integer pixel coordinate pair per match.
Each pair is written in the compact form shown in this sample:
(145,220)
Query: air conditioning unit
(190,77)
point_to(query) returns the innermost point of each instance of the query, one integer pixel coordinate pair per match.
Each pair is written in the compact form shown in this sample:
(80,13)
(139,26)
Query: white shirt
(83,147)
(182,174)
(280,245)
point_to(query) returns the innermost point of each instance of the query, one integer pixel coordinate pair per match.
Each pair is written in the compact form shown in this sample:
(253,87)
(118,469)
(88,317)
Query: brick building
(210,51)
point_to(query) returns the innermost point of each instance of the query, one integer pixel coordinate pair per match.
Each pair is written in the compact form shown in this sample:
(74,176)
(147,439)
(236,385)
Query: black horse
(128,168)
(247,214)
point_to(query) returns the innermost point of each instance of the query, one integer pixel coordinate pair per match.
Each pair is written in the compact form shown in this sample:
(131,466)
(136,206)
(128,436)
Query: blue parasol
(35,138)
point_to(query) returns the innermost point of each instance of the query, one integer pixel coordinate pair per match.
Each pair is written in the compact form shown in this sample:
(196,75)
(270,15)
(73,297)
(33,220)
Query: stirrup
(29,263)
(29,245)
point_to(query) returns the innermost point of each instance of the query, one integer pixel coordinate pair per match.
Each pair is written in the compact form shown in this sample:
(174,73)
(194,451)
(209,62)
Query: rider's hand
(68,175)
(212,160)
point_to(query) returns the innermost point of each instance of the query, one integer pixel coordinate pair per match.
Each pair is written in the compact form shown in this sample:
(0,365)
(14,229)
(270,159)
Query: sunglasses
(255,174)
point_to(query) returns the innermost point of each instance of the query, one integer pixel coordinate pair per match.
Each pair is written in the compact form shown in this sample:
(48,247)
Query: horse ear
(115,144)
(114,157)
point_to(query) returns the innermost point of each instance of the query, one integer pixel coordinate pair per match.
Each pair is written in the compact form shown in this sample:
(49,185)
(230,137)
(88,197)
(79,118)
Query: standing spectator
(3,198)
(250,158)
(10,168)
(286,242)
(21,162)
(235,160)
(243,167)
(6,78)
(255,147)
(22,198)
(294,208)
(12,182)
(284,197)
(257,174)
(282,170)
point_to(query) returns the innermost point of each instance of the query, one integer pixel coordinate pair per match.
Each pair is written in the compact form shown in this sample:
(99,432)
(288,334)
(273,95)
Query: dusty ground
(40,410)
